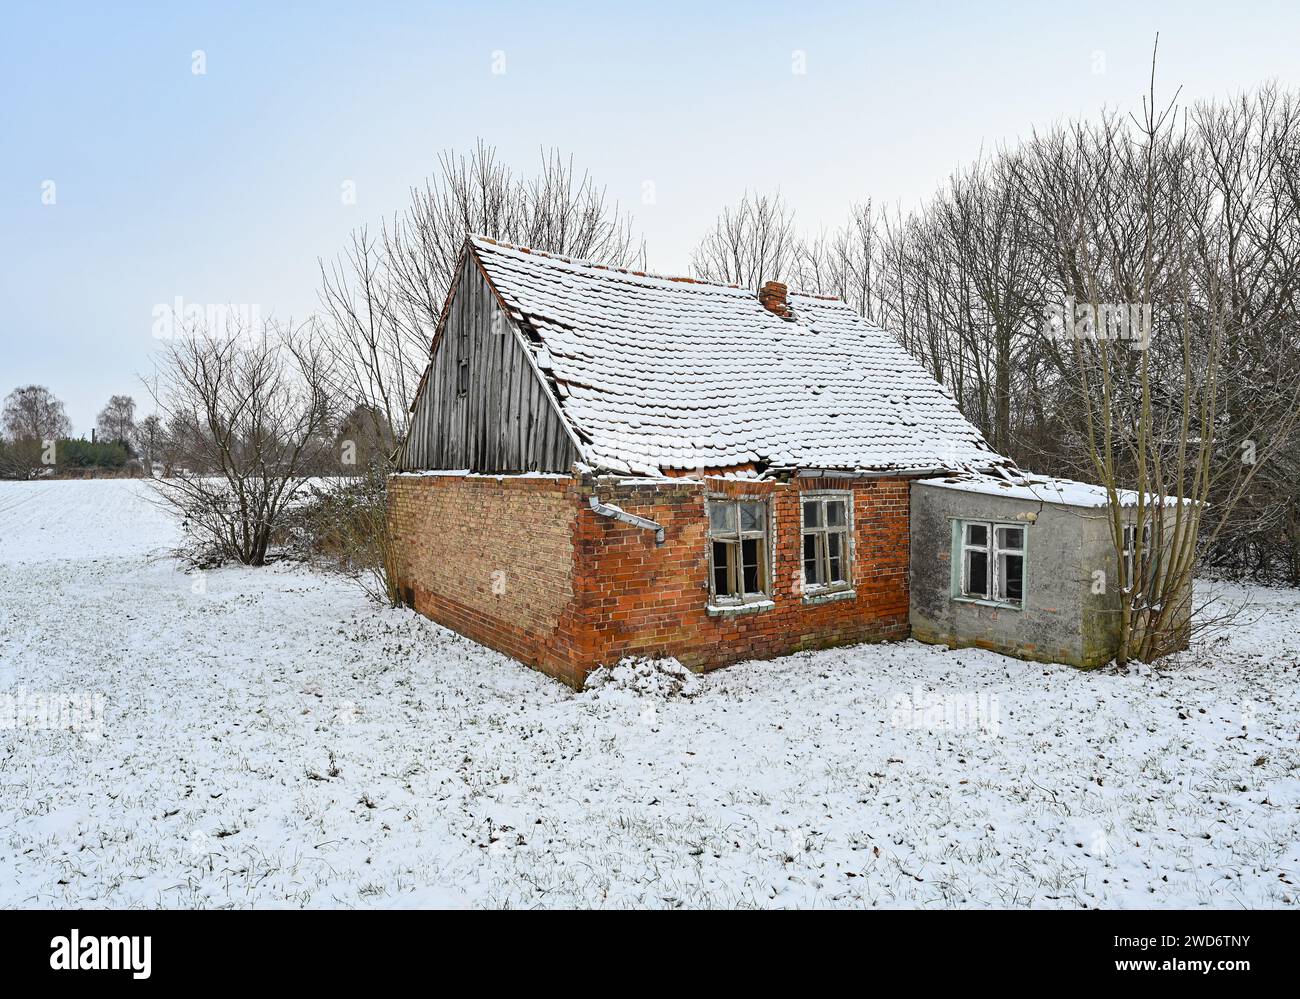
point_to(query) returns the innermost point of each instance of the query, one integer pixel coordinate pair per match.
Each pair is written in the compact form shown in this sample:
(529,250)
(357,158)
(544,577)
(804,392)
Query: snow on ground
(267,737)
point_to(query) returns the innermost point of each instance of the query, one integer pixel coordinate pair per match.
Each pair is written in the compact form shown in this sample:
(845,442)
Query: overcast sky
(226,186)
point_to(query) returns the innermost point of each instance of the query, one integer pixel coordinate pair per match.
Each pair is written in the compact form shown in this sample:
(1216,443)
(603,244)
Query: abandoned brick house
(605,463)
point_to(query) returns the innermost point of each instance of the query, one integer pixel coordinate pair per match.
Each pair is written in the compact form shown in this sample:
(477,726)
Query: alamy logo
(170,322)
(1124,322)
(948,711)
(91,953)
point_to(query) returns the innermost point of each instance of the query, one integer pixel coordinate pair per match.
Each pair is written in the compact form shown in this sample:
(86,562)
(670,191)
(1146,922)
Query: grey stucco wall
(1060,620)
(1101,615)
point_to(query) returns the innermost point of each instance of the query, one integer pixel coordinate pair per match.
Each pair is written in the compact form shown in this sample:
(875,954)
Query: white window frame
(820,497)
(1129,534)
(993,552)
(764,594)
(1151,558)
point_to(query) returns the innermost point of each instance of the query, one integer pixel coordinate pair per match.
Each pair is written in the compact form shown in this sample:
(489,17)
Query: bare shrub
(248,415)
(342,524)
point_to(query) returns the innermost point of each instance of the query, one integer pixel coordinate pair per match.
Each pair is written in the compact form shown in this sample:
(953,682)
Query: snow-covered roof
(1040,489)
(670,373)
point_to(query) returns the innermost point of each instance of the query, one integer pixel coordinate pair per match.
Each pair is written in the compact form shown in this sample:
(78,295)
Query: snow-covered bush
(656,678)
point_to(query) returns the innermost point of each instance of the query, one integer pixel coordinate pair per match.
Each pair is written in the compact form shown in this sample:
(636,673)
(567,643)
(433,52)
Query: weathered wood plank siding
(506,421)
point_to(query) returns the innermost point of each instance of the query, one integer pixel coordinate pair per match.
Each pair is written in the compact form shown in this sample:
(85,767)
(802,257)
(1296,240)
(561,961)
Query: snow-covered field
(267,737)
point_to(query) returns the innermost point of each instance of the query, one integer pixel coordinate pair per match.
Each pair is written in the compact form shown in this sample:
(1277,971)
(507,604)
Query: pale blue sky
(225,187)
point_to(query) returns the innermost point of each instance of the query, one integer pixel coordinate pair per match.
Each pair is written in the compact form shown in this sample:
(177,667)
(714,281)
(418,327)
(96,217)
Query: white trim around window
(740,531)
(826,547)
(991,562)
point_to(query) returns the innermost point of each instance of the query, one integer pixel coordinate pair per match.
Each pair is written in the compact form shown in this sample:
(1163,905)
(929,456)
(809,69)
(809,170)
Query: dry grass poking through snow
(270,739)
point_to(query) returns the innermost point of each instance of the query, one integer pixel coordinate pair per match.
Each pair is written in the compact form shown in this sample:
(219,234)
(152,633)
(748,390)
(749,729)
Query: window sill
(828,596)
(981,602)
(733,610)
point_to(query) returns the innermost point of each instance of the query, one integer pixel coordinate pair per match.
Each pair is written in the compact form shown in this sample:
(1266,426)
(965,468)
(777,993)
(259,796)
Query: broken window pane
(835,558)
(749,558)
(722,518)
(721,569)
(993,561)
(811,575)
(1011,537)
(1012,579)
(751,516)
(826,541)
(977,574)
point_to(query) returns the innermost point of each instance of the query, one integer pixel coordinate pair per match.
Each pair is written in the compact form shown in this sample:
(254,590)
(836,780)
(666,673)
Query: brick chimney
(772,297)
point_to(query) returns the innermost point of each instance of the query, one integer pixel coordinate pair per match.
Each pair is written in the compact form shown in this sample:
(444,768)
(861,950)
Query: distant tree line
(36,441)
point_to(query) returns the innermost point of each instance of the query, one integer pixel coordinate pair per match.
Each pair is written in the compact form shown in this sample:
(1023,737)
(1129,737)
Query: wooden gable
(483,405)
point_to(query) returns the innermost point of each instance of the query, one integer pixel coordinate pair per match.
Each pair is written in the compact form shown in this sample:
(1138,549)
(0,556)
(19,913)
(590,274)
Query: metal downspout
(627,518)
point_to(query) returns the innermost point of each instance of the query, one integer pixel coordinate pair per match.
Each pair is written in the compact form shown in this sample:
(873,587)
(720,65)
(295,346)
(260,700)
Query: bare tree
(917,296)
(116,421)
(982,220)
(1249,152)
(1139,225)
(1079,217)
(555,210)
(33,412)
(249,414)
(148,441)
(382,297)
(380,348)
(846,262)
(751,243)
(33,421)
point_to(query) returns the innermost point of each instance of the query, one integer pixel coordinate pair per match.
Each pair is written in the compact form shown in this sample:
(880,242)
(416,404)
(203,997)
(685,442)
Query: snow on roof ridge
(613,268)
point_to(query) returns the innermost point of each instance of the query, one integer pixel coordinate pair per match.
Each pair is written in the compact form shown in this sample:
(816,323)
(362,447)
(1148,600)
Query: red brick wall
(582,589)
(643,600)
(491,558)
